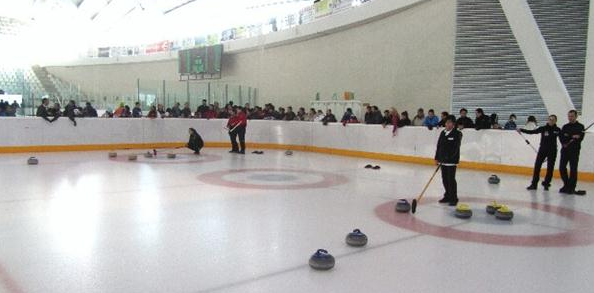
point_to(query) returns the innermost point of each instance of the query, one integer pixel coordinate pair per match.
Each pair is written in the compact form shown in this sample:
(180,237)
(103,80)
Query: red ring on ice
(217,178)
(582,234)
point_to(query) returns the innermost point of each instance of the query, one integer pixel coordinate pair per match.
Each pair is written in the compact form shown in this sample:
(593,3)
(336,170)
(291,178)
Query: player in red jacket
(237,125)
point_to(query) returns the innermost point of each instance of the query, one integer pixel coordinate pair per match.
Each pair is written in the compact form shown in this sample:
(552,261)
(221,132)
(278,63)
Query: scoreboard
(204,62)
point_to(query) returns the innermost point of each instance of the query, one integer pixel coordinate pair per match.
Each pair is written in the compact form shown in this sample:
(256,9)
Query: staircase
(46,81)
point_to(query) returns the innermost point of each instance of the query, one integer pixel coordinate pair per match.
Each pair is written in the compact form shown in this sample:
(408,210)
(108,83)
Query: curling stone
(402,206)
(148,155)
(113,154)
(493,207)
(356,238)
(463,211)
(289,153)
(321,260)
(32,161)
(132,157)
(494,179)
(504,213)
(171,156)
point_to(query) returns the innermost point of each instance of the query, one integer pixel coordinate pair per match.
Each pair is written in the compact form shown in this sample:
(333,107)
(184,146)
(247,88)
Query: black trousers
(551,157)
(571,157)
(448,176)
(239,131)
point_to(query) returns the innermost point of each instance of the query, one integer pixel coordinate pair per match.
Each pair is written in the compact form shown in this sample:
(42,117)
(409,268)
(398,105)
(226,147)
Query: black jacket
(482,122)
(548,136)
(448,147)
(567,132)
(195,143)
(43,113)
(465,121)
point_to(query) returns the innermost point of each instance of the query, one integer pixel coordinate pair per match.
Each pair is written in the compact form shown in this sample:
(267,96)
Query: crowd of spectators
(7,109)
(373,115)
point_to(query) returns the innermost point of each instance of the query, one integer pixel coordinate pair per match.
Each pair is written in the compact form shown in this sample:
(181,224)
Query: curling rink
(220,222)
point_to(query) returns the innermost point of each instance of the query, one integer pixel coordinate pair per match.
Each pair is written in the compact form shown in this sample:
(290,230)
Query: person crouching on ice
(195,143)
(447,156)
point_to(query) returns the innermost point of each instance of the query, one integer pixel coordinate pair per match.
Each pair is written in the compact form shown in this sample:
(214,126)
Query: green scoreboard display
(200,63)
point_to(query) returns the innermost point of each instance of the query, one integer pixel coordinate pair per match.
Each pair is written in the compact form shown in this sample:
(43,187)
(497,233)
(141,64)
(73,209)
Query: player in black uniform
(448,156)
(195,142)
(571,137)
(546,151)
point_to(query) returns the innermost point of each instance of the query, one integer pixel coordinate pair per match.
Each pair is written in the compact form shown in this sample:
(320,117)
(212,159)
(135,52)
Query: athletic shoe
(531,187)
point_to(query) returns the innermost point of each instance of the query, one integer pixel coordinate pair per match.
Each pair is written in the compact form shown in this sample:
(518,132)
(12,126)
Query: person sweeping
(237,125)
(547,151)
(447,156)
(195,143)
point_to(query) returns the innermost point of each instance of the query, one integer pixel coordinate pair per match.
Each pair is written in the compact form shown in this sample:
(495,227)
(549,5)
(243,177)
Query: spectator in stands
(217,108)
(10,111)
(531,123)
(186,112)
(56,111)
(511,123)
(226,113)
(290,115)
(201,110)
(70,111)
(419,119)
(376,116)
(301,114)
(329,117)
(444,116)
(368,119)
(89,111)
(160,111)
(349,117)
(175,110)
(127,112)
(464,121)
(108,113)
(119,111)
(481,121)
(152,113)
(319,116)
(387,119)
(311,116)
(495,121)
(43,111)
(395,120)
(15,105)
(431,120)
(404,120)
(210,114)
(137,111)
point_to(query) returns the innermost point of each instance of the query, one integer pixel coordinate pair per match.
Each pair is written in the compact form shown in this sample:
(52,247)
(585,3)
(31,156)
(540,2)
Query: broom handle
(428,183)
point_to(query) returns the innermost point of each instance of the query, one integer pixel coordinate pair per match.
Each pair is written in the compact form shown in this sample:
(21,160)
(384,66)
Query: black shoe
(444,200)
(241,152)
(197,153)
(233,152)
(376,167)
(564,190)
(453,203)
(368,167)
(580,192)
(531,187)
(546,186)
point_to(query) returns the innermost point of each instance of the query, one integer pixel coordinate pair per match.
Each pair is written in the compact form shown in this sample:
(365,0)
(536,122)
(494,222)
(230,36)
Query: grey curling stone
(321,260)
(402,206)
(113,154)
(504,215)
(148,155)
(289,153)
(356,238)
(32,161)
(463,214)
(171,156)
(491,209)
(494,179)
(132,157)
